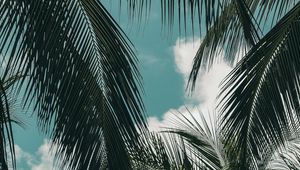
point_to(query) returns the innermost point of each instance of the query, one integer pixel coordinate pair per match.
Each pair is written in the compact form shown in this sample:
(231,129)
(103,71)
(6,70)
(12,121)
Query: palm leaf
(163,150)
(6,134)
(152,152)
(202,137)
(84,82)
(207,12)
(262,91)
(6,120)
(234,31)
(286,157)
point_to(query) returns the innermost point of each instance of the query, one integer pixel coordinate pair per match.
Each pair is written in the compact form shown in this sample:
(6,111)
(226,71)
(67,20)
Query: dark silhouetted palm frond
(6,121)
(232,25)
(263,92)
(6,134)
(84,84)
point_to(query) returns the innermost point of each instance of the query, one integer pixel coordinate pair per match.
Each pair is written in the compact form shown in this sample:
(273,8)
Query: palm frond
(6,134)
(207,12)
(286,157)
(202,138)
(233,32)
(163,150)
(262,92)
(271,11)
(152,153)
(84,82)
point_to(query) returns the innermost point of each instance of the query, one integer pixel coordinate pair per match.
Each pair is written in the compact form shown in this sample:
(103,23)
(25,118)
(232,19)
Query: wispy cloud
(149,59)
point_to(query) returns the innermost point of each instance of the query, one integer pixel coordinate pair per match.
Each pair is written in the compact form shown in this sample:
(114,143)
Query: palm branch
(286,158)
(205,138)
(84,84)
(7,118)
(262,92)
(233,26)
(161,150)
(202,138)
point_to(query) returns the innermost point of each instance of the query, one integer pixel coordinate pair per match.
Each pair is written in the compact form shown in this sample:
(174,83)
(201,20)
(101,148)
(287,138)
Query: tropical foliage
(83,82)
(84,85)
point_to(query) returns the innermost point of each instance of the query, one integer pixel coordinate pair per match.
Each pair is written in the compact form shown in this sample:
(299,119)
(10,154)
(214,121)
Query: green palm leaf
(6,120)
(202,137)
(163,150)
(262,92)
(6,134)
(234,25)
(234,31)
(84,83)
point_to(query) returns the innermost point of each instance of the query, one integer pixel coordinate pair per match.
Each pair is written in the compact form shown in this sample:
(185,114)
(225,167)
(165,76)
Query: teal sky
(163,85)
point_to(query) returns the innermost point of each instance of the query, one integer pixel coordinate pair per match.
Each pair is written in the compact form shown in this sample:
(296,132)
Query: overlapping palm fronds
(264,86)
(84,83)
(205,145)
(286,157)
(263,91)
(191,141)
(162,150)
(232,26)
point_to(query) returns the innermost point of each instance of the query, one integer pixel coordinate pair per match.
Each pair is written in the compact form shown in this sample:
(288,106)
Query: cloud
(184,52)
(42,159)
(44,156)
(203,98)
(171,117)
(149,59)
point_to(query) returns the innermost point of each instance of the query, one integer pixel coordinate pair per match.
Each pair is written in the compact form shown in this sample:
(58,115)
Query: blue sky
(165,61)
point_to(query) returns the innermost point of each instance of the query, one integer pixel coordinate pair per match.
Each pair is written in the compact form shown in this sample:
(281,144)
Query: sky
(165,61)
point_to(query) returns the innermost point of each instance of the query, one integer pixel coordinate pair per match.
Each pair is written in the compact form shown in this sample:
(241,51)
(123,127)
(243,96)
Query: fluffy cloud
(184,52)
(171,117)
(43,159)
(46,158)
(203,98)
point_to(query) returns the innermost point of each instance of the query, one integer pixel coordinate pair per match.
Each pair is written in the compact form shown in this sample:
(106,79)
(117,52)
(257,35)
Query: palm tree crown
(84,85)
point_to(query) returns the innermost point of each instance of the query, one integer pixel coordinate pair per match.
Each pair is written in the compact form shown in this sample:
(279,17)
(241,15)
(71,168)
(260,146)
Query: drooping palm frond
(6,121)
(263,91)
(207,11)
(6,134)
(234,31)
(240,25)
(271,11)
(84,82)
(137,9)
(230,25)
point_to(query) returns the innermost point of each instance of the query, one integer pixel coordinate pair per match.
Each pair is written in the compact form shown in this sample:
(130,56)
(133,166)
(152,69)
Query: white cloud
(46,158)
(184,52)
(149,59)
(203,98)
(208,86)
(43,159)
(170,118)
